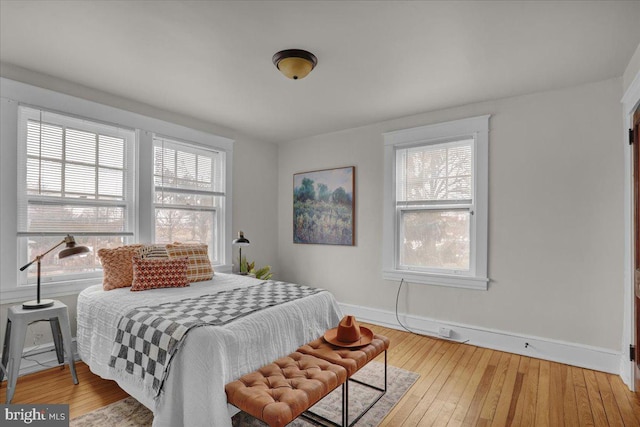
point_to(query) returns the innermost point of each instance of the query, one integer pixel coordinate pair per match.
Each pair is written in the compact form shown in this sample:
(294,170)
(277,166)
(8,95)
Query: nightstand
(17,321)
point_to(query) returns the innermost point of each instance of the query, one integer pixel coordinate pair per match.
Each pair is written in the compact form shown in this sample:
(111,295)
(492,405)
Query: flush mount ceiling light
(295,63)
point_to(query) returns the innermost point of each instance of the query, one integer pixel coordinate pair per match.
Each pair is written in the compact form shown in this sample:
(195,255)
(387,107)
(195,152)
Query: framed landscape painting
(324,206)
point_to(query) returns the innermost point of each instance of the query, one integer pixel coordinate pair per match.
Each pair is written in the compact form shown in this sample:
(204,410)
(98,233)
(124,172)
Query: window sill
(48,291)
(222,268)
(449,280)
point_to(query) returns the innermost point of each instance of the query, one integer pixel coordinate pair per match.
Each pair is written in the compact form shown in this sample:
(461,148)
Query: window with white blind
(189,200)
(73,166)
(435,217)
(75,176)
(434,200)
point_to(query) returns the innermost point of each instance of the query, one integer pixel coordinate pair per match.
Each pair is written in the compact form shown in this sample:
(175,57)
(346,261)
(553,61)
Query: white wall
(632,70)
(254,177)
(556,219)
(255,205)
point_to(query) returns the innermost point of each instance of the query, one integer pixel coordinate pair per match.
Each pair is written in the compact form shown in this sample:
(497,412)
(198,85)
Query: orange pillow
(199,264)
(154,273)
(117,266)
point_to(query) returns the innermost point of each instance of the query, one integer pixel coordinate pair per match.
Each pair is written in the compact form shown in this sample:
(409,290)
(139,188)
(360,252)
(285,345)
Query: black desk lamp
(70,250)
(241,241)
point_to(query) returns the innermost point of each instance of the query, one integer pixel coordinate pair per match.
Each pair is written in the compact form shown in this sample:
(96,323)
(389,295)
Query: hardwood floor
(459,385)
(464,385)
(56,386)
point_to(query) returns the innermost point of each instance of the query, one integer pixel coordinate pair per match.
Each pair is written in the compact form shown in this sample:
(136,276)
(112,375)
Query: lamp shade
(73,250)
(241,240)
(295,63)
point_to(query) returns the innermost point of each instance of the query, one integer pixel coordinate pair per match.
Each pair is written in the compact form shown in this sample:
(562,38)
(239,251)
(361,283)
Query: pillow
(153,251)
(153,273)
(199,264)
(117,266)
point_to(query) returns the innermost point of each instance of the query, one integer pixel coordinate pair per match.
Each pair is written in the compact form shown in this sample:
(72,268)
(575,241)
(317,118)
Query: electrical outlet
(444,332)
(37,338)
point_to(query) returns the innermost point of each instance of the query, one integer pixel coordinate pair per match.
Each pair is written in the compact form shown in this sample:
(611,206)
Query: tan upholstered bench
(281,391)
(352,359)
(287,388)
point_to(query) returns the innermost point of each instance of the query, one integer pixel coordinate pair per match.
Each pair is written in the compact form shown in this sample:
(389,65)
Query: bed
(209,356)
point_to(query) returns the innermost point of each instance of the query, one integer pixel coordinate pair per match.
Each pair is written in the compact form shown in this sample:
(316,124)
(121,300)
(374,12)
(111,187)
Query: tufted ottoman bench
(279,392)
(352,359)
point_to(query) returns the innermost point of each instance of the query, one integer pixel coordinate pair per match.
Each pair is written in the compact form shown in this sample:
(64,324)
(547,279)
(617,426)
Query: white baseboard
(624,371)
(584,356)
(41,357)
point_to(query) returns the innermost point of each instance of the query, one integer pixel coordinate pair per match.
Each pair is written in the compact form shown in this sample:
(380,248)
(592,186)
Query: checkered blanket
(149,337)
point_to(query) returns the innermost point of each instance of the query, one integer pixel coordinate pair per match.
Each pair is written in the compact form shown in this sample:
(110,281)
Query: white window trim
(476,127)
(14,93)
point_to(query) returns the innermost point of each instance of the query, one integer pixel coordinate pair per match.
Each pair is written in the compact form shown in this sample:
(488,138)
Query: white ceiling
(377,60)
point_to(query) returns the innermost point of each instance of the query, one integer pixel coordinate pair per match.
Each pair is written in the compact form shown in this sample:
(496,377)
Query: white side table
(17,321)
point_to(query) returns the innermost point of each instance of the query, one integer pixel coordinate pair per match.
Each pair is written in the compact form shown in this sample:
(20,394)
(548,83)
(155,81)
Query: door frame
(630,101)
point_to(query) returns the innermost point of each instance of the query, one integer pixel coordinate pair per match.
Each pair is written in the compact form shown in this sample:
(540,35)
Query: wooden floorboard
(459,385)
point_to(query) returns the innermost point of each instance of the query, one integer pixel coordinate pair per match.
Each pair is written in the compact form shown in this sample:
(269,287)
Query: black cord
(42,364)
(417,333)
(397,317)
(34,352)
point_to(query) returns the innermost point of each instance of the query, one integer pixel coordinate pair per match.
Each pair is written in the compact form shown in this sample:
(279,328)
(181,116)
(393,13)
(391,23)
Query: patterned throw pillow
(117,266)
(153,273)
(199,264)
(153,251)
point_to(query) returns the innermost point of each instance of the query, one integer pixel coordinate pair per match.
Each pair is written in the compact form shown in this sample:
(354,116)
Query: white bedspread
(210,357)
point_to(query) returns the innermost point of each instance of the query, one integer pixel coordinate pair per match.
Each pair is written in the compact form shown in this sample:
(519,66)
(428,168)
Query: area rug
(130,413)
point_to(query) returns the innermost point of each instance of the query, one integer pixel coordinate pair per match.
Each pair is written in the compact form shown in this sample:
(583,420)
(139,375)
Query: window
(75,176)
(435,220)
(74,166)
(189,185)
(434,202)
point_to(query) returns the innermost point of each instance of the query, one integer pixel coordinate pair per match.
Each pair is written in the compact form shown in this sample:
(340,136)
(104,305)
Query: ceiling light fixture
(295,63)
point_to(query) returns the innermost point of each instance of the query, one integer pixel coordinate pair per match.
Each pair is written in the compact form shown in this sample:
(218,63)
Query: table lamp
(70,250)
(241,241)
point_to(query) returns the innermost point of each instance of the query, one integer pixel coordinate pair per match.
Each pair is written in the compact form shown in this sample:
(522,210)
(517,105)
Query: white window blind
(189,182)
(434,174)
(75,177)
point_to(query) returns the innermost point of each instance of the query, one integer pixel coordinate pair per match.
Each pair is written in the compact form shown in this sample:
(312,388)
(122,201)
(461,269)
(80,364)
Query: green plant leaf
(264,273)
